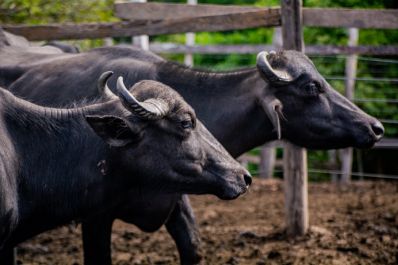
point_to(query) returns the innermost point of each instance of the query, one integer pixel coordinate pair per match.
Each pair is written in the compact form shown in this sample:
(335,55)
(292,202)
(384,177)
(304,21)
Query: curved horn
(150,109)
(102,86)
(272,75)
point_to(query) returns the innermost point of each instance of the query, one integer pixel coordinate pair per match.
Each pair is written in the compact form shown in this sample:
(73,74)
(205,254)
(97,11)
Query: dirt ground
(358,225)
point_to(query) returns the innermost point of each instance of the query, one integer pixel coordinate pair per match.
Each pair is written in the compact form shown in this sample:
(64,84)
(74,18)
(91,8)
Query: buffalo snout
(368,131)
(248,179)
(377,129)
(236,185)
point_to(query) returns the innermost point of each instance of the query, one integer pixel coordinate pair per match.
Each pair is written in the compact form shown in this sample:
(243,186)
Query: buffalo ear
(112,129)
(273,108)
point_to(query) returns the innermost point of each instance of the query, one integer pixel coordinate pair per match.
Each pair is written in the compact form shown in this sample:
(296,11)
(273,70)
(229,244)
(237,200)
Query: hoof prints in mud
(358,225)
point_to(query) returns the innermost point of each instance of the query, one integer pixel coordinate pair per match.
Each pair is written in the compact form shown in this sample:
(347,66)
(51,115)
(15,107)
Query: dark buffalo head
(159,136)
(306,110)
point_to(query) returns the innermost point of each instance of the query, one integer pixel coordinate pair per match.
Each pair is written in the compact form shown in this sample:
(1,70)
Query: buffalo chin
(361,142)
(366,144)
(231,194)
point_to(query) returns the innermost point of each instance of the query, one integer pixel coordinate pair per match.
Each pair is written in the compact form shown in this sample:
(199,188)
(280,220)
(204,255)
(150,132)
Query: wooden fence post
(108,42)
(189,40)
(268,151)
(267,161)
(295,158)
(143,40)
(346,156)
(296,190)
(333,165)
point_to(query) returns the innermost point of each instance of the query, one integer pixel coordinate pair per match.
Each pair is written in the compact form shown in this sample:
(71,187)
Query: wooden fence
(161,18)
(158,18)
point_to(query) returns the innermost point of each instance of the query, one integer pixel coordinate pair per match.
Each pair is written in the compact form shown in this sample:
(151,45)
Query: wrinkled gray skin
(44,182)
(232,105)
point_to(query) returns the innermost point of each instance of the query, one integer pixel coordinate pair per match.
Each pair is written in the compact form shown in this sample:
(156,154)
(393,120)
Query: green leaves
(47,11)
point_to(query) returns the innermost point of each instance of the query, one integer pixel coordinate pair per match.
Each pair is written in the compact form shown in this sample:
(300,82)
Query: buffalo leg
(182,227)
(97,241)
(8,256)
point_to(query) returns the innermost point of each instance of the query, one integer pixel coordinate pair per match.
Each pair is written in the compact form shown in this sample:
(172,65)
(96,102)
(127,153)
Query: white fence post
(190,40)
(143,40)
(346,155)
(268,151)
(108,42)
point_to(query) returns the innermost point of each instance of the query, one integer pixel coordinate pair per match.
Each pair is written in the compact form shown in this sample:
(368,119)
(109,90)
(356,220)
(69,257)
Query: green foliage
(378,37)
(346,3)
(48,11)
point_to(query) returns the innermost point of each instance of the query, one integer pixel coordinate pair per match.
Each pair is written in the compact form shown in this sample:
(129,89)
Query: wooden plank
(387,143)
(361,50)
(292,27)
(156,11)
(267,162)
(332,164)
(276,144)
(351,65)
(346,154)
(296,190)
(254,49)
(190,40)
(242,20)
(295,158)
(209,49)
(248,158)
(251,19)
(268,153)
(355,18)
(315,17)
(143,40)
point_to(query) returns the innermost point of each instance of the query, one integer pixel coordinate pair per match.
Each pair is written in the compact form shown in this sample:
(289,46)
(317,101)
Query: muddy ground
(358,225)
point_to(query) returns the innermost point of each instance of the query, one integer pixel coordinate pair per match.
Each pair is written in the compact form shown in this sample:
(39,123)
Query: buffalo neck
(226,102)
(58,153)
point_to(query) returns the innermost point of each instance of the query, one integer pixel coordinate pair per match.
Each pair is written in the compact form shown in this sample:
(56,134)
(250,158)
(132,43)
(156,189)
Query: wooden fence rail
(384,143)
(252,19)
(154,11)
(254,49)
(316,17)
(229,20)
(350,18)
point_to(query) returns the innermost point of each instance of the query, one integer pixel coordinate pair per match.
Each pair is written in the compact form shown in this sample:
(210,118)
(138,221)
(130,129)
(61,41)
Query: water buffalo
(284,96)
(59,165)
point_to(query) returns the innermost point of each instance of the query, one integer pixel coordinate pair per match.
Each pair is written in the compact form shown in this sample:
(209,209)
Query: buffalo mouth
(367,143)
(226,186)
(233,189)
(229,186)
(230,196)
(363,139)
(368,134)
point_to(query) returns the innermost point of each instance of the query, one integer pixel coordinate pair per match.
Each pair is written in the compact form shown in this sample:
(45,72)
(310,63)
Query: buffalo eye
(313,88)
(187,124)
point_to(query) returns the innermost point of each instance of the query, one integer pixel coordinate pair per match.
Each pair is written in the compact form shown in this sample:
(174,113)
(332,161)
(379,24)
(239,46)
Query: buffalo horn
(272,75)
(150,109)
(102,86)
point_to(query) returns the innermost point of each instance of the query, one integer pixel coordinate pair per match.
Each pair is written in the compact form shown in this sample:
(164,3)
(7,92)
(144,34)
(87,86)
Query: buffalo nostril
(378,129)
(248,180)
